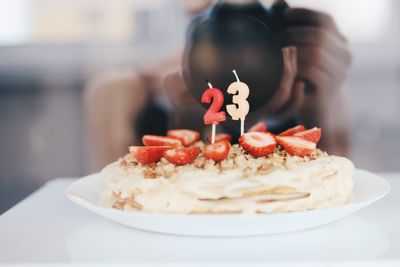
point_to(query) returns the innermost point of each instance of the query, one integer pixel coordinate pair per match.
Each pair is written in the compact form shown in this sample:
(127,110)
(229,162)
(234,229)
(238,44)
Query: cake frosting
(241,183)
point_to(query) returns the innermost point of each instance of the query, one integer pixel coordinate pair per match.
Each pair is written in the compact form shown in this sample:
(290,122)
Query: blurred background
(49,50)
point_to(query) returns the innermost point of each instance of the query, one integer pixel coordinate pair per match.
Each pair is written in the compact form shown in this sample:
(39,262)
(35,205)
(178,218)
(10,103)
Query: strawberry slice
(258,127)
(182,155)
(187,137)
(258,144)
(292,131)
(312,135)
(296,145)
(220,137)
(157,140)
(148,154)
(217,151)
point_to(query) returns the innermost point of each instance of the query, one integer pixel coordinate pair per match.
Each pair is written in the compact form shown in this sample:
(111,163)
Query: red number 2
(213,114)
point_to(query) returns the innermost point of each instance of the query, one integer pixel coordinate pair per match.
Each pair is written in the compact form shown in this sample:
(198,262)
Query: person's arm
(112,104)
(186,111)
(323,61)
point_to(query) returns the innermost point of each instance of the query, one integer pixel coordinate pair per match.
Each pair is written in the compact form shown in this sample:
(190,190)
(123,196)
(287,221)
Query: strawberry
(156,140)
(312,135)
(182,155)
(292,131)
(258,144)
(296,145)
(187,137)
(148,154)
(220,137)
(217,151)
(258,127)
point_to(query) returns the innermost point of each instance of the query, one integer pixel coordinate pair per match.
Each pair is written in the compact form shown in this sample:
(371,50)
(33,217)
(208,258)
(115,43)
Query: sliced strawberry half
(312,135)
(157,140)
(220,137)
(148,154)
(187,137)
(182,155)
(292,131)
(258,144)
(258,127)
(296,145)
(217,151)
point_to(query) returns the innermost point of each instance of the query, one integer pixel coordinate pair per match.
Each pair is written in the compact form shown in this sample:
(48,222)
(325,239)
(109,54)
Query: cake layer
(239,184)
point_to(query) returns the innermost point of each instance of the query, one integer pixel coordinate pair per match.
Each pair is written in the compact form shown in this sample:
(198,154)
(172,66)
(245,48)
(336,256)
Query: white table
(47,227)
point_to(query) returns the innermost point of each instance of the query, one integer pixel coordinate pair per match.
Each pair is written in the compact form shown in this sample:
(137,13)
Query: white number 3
(241,93)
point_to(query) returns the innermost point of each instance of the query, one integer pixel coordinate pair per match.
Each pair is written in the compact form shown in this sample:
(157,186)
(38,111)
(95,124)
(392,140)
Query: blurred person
(123,106)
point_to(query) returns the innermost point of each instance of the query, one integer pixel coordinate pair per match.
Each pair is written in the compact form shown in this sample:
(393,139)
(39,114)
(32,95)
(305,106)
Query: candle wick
(237,77)
(209,85)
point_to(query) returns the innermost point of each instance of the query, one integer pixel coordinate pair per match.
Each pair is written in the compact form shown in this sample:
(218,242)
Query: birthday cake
(263,173)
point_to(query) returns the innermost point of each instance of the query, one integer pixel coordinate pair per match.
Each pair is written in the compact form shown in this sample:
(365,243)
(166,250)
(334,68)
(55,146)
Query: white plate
(368,188)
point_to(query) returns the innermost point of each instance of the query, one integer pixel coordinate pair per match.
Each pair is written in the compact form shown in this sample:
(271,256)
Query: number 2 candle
(240,107)
(213,115)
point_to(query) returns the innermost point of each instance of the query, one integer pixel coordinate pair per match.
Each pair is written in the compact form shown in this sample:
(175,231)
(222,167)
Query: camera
(231,36)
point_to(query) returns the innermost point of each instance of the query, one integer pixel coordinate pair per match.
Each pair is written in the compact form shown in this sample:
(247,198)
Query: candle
(213,115)
(240,108)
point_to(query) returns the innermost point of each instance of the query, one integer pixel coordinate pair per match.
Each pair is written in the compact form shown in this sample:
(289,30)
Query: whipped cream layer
(241,184)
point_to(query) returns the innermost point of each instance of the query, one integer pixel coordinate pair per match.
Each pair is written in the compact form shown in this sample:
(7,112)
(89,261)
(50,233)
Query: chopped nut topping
(199,162)
(237,159)
(134,204)
(266,168)
(122,162)
(149,173)
(118,205)
(132,164)
(137,191)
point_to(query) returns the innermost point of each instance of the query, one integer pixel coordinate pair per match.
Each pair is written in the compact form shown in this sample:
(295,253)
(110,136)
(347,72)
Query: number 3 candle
(213,115)
(240,108)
